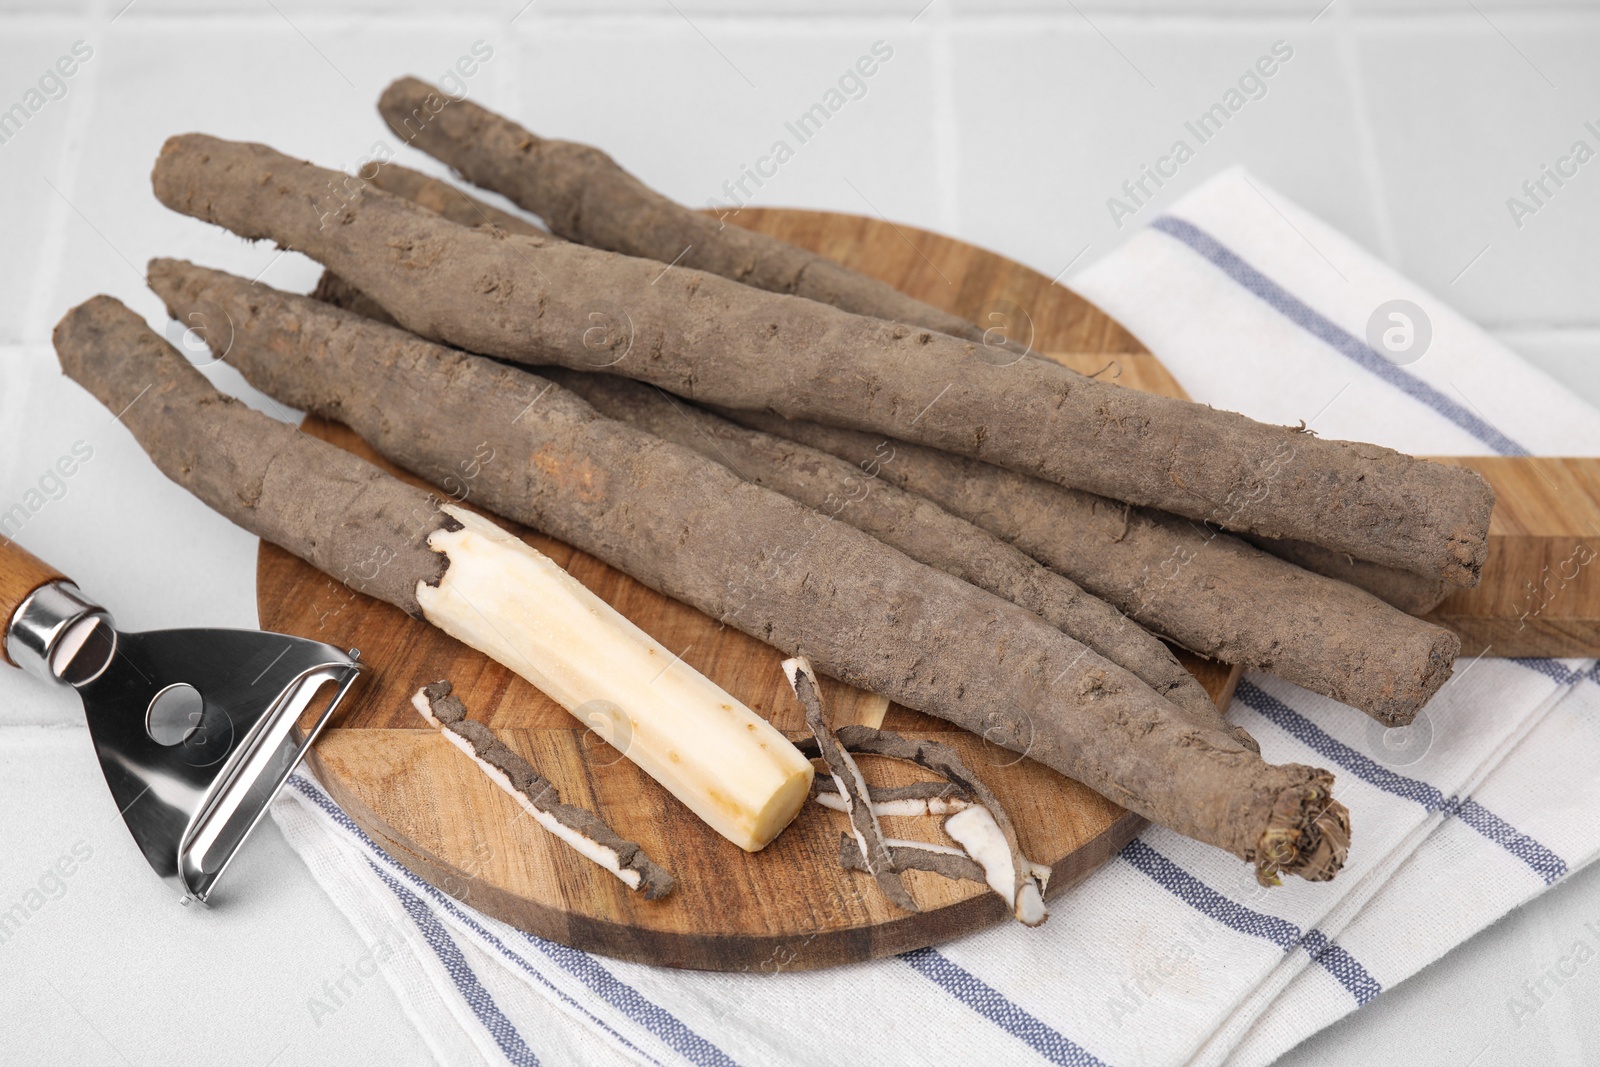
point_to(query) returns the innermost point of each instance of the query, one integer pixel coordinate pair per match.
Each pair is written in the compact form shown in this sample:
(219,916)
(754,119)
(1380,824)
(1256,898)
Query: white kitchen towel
(1170,953)
(1459,881)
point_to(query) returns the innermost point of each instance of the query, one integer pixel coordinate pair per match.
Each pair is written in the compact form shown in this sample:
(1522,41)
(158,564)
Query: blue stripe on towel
(990,1003)
(505,1035)
(1315,738)
(652,1017)
(672,1031)
(660,1022)
(1207,901)
(1543,861)
(1343,966)
(1353,348)
(1549,866)
(323,801)
(1552,668)
(1281,932)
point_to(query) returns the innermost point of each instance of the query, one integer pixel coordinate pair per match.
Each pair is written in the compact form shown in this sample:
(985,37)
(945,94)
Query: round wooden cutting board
(790,906)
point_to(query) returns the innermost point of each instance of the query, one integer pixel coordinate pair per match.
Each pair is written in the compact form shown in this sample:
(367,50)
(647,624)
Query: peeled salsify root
(446,565)
(580,828)
(981,827)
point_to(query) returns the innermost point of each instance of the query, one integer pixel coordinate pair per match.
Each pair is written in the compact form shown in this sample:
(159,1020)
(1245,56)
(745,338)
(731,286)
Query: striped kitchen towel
(1170,953)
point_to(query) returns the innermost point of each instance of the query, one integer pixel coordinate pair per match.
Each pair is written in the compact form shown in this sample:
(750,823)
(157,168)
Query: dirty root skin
(773,568)
(1411,593)
(445,199)
(851,785)
(437,196)
(583,195)
(337,512)
(1203,589)
(585,831)
(916,526)
(707,338)
(447,565)
(983,829)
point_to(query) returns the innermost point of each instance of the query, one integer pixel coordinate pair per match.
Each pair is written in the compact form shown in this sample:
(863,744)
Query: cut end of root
(1309,834)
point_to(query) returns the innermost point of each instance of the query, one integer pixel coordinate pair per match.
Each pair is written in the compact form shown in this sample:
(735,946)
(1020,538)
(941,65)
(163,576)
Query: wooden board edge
(701,952)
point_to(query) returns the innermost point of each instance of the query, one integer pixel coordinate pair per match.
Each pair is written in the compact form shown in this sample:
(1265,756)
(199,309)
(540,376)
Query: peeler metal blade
(196,730)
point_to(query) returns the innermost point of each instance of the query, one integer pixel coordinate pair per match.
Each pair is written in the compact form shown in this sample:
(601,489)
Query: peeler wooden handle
(51,630)
(21,572)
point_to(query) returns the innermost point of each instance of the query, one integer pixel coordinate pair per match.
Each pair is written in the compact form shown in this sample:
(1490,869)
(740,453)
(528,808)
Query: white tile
(144,547)
(1462,116)
(37,106)
(1053,121)
(1234,10)
(686,112)
(309,90)
(109,969)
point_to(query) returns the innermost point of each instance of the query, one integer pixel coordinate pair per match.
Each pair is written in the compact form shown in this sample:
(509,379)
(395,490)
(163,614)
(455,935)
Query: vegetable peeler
(196,730)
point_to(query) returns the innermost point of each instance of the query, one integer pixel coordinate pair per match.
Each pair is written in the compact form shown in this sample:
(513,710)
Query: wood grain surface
(1540,593)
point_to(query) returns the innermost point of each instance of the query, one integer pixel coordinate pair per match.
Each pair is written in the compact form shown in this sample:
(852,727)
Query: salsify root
(916,526)
(756,560)
(442,198)
(444,564)
(276,482)
(1204,589)
(582,194)
(437,196)
(1411,593)
(708,338)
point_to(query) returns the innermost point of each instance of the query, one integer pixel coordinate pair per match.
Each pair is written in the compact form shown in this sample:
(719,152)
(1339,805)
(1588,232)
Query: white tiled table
(1408,125)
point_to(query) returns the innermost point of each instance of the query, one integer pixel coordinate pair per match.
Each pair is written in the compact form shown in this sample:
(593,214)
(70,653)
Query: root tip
(1308,836)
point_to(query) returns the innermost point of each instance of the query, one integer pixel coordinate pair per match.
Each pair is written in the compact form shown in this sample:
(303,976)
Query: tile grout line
(36,327)
(1345,31)
(1018,15)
